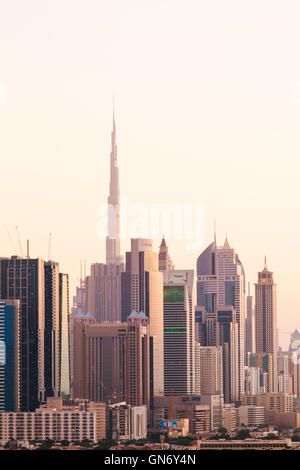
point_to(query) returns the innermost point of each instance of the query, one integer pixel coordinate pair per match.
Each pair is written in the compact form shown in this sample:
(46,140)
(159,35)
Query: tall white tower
(113,237)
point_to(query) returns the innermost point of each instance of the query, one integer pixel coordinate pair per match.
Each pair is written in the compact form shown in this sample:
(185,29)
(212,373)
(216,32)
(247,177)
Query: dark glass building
(23,279)
(9,355)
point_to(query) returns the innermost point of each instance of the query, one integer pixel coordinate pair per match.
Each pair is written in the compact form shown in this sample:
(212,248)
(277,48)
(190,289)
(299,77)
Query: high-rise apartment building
(209,370)
(266,318)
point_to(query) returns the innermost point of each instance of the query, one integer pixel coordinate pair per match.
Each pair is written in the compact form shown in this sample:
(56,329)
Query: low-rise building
(126,422)
(246,444)
(251,415)
(272,402)
(58,422)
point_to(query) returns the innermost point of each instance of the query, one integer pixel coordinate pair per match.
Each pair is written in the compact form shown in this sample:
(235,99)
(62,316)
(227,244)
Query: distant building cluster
(145,348)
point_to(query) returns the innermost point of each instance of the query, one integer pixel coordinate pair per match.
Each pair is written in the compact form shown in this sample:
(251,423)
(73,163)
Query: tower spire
(265,263)
(113,237)
(215,232)
(114,122)
(226,243)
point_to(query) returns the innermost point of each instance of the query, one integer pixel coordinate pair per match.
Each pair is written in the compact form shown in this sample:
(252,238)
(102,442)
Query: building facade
(9,355)
(221,282)
(179,333)
(24,279)
(266,319)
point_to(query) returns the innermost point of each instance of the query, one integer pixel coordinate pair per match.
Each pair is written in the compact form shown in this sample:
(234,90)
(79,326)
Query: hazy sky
(207,110)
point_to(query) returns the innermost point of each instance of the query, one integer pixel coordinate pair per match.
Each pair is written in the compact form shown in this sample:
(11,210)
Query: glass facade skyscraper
(9,355)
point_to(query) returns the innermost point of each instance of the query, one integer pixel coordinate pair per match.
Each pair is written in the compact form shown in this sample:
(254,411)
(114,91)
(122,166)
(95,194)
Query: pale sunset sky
(207,100)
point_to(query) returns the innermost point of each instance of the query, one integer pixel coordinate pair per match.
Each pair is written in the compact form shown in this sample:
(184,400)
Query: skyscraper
(250,326)
(264,362)
(227,337)
(283,371)
(179,333)
(64,336)
(165,263)
(111,360)
(144,292)
(221,282)
(52,329)
(103,290)
(266,318)
(209,370)
(24,279)
(10,355)
(137,360)
(113,238)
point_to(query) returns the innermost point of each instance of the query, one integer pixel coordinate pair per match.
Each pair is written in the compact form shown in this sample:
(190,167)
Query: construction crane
(49,246)
(19,242)
(10,240)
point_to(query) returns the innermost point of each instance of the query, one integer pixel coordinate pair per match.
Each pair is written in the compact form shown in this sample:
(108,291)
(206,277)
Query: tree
(183,441)
(271,436)
(65,443)
(45,445)
(86,443)
(105,444)
(243,434)
(222,430)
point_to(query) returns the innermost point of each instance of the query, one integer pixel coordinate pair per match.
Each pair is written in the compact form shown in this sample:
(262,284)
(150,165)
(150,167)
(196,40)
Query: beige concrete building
(251,415)
(230,418)
(71,424)
(209,367)
(142,291)
(111,360)
(272,402)
(126,422)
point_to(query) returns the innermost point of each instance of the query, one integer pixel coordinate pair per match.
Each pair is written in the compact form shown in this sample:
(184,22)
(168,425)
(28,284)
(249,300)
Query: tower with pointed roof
(221,283)
(104,287)
(165,263)
(113,238)
(266,317)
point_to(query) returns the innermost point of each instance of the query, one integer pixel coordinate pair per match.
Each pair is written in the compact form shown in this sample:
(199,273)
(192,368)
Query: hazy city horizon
(207,112)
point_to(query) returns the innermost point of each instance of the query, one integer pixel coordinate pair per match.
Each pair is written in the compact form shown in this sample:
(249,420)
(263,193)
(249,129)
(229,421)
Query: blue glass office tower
(9,355)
